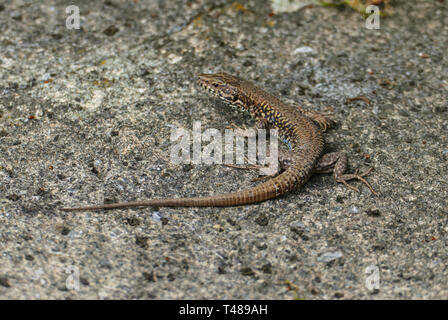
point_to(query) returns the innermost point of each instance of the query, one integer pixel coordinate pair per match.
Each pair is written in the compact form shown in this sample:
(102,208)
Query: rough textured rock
(86,116)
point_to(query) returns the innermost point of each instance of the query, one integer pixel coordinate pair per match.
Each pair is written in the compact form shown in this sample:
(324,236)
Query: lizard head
(224,86)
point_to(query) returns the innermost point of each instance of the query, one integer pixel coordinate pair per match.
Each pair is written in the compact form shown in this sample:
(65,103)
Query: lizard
(301,129)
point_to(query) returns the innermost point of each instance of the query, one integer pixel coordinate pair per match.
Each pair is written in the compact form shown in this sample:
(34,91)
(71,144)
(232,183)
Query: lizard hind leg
(336,162)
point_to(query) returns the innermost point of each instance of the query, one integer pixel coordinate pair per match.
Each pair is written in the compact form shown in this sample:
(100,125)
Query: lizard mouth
(206,81)
(223,86)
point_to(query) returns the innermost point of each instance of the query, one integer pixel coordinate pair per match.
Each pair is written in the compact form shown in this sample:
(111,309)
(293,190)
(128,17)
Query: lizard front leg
(319,118)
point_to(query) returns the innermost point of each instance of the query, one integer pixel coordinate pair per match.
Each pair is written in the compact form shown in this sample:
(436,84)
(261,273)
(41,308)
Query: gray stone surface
(86,116)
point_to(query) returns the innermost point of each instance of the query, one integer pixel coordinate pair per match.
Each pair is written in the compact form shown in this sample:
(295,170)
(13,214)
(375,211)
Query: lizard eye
(230,92)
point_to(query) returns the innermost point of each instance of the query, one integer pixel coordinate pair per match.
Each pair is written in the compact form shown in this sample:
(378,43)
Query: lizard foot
(346,177)
(336,162)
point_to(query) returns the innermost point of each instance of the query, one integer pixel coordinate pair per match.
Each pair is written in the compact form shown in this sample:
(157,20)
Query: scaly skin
(293,124)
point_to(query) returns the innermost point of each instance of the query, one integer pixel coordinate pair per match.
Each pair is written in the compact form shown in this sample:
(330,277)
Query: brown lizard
(295,125)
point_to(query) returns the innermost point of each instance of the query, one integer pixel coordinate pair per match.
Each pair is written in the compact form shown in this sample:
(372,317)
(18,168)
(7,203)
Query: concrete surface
(86,116)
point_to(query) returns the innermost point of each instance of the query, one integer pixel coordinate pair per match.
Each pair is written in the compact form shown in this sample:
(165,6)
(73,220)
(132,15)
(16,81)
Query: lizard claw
(343,179)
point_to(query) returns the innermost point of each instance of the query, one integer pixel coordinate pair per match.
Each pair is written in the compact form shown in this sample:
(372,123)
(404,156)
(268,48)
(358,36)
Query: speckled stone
(86,117)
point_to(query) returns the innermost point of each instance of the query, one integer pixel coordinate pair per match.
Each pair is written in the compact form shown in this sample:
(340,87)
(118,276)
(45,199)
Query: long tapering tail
(267,190)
